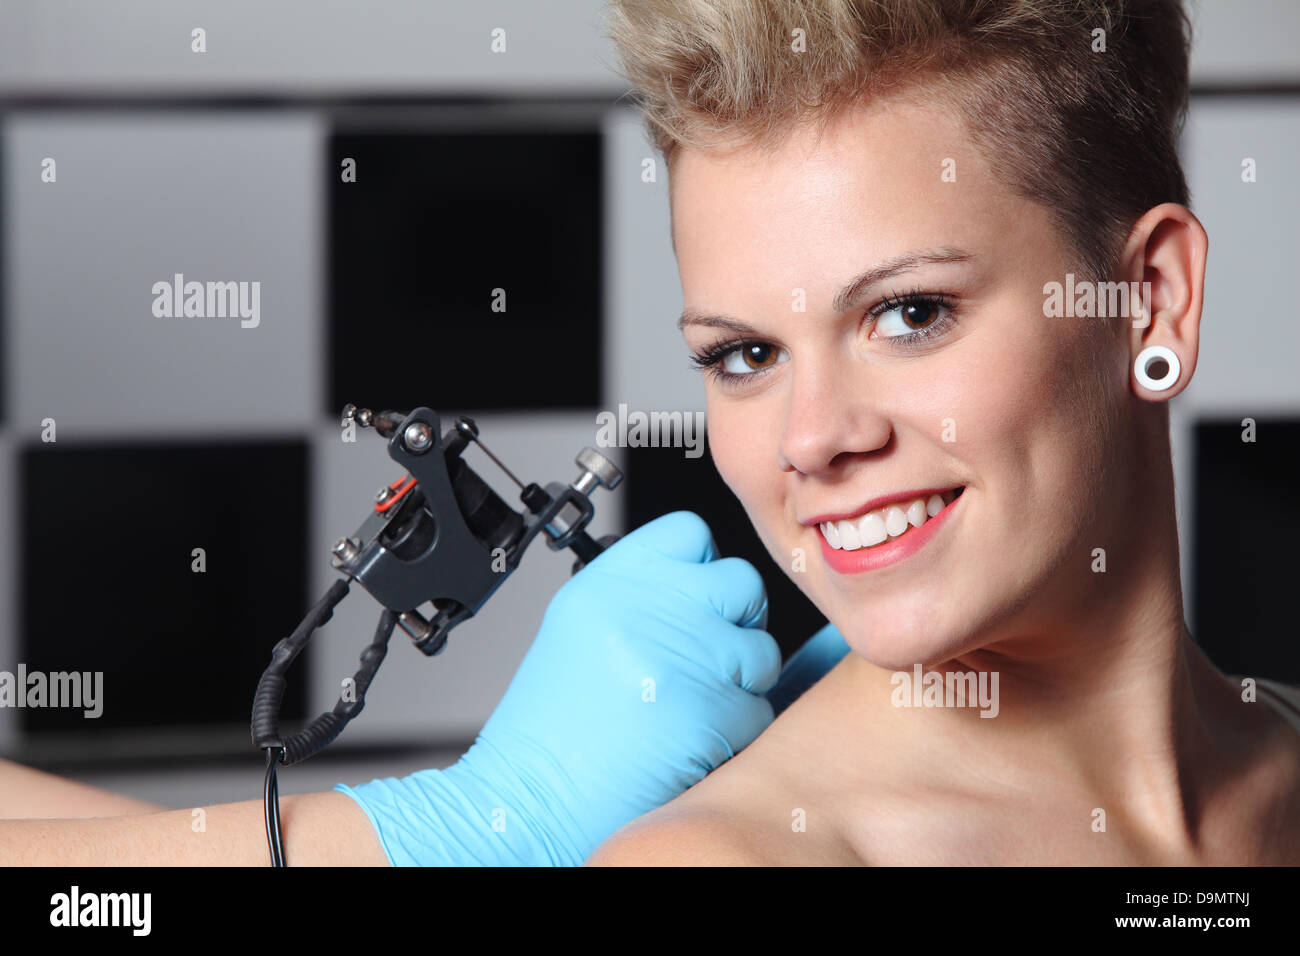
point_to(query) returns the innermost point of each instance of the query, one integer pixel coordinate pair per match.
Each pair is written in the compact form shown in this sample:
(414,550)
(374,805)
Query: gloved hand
(647,673)
(807,666)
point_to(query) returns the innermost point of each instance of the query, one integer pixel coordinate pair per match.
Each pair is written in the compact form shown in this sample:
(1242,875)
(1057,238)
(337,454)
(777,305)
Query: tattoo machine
(437,535)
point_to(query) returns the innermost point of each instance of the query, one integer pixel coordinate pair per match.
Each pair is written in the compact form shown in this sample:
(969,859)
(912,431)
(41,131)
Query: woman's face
(845,406)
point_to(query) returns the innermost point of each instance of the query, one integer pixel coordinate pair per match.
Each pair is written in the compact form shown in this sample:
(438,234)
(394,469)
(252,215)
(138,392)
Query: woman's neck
(1100,692)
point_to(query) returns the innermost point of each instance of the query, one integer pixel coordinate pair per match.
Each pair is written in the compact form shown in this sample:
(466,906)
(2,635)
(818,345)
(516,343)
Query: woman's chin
(900,649)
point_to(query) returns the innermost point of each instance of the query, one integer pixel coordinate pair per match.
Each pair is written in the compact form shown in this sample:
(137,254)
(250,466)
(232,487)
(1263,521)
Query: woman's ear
(1165,255)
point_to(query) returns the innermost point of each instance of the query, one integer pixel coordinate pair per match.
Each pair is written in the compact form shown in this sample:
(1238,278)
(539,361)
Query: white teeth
(883,524)
(871,529)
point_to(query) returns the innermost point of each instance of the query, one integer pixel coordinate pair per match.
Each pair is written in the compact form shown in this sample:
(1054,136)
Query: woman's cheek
(733,443)
(1005,384)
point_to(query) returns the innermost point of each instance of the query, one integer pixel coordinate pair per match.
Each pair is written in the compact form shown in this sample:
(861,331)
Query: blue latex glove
(807,666)
(648,672)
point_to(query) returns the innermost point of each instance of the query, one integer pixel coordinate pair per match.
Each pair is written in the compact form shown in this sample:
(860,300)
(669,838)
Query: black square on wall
(1246,526)
(107,584)
(432,225)
(661,480)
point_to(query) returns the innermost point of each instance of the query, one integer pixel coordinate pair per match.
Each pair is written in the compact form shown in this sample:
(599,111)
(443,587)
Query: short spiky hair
(1090,134)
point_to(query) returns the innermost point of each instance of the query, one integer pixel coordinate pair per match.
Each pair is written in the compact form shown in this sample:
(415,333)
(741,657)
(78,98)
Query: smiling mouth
(885,523)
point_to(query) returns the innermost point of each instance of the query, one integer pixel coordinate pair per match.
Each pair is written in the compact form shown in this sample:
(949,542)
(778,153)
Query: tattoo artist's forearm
(320,829)
(35,794)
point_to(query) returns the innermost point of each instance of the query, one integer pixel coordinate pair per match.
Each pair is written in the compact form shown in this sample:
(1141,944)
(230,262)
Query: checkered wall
(187,432)
(222,433)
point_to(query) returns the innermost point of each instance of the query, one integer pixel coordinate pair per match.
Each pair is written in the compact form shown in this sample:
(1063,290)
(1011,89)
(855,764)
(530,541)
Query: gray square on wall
(137,199)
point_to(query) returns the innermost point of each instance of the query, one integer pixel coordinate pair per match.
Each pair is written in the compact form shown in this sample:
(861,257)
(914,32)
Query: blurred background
(523,170)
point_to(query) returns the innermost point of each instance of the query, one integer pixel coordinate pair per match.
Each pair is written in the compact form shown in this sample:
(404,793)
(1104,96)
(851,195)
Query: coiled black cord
(317,735)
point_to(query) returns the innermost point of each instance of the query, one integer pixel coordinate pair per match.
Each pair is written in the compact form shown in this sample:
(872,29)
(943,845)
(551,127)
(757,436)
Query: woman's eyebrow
(849,295)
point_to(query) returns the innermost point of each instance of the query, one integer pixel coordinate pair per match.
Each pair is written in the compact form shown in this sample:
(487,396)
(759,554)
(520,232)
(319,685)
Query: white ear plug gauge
(1156,355)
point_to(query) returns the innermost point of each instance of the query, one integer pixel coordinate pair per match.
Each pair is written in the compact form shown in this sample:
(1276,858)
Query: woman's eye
(751,357)
(912,315)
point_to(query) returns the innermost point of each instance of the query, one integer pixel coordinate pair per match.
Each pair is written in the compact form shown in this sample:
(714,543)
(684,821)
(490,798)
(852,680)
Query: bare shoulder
(717,822)
(711,824)
(699,837)
(750,811)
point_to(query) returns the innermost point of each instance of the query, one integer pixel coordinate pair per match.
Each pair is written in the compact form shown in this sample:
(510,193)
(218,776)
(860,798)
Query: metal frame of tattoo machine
(437,535)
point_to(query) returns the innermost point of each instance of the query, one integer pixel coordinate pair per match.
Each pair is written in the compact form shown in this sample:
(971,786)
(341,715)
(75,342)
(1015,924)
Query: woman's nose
(827,416)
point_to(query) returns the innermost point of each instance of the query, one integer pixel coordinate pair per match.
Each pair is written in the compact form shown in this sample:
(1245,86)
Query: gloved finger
(737,723)
(682,535)
(733,588)
(756,659)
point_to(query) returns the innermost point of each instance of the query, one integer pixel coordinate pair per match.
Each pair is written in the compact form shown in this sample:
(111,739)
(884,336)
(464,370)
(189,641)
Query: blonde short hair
(1085,123)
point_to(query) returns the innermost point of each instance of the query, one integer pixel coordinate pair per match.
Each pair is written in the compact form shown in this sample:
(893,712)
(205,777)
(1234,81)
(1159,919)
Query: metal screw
(596,470)
(345,549)
(417,437)
(382,495)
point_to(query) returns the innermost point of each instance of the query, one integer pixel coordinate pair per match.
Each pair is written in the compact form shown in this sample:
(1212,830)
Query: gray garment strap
(1284,697)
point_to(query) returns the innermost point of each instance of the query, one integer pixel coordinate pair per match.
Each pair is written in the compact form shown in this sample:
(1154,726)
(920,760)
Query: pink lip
(890,552)
(875,503)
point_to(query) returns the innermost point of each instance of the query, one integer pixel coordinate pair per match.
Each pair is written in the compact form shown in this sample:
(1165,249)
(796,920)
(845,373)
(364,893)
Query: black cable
(320,732)
(271,807)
